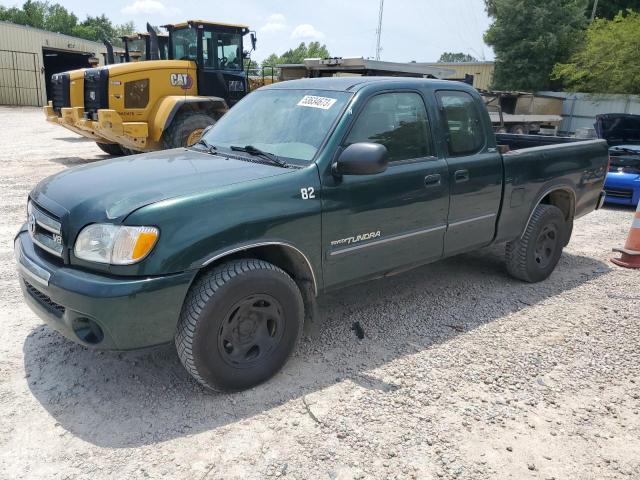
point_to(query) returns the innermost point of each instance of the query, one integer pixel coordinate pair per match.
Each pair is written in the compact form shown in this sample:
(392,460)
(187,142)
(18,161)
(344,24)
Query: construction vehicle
(164,103)
(68,87)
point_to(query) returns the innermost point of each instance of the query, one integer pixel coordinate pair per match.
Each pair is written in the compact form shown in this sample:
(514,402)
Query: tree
(450,57)
(56,18)
(529,39)
(298,54)
(605,9)
(608,63)
(610,8)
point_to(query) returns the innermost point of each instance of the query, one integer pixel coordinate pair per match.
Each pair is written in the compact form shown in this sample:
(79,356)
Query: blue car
(622,185)
(622,132)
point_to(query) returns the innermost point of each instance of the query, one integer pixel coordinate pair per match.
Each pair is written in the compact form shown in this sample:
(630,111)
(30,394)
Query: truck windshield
(291,124)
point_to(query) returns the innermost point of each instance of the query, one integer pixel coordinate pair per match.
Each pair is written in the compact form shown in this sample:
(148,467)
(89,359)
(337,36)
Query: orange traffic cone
(631,252)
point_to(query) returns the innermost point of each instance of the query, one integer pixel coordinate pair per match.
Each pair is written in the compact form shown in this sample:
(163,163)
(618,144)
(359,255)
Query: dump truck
(68,87)
(304,187)
(165,103)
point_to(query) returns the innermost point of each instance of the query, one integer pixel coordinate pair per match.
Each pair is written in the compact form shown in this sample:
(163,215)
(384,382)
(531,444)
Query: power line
(379,31)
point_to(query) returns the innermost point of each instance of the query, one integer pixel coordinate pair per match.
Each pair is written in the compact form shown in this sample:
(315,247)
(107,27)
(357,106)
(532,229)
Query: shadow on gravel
(140,398)
(73,161)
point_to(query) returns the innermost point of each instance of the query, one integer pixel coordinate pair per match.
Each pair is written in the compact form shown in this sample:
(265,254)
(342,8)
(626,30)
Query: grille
(45,230)
(45,300)
(96,91)
(60,88)
(619,192)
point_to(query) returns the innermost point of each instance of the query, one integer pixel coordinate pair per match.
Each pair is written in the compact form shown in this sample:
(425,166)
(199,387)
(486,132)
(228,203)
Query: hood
(110,190)
(618,128)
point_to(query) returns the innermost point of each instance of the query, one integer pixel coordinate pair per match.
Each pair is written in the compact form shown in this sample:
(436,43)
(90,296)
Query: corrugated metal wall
(22,79)
(579,110)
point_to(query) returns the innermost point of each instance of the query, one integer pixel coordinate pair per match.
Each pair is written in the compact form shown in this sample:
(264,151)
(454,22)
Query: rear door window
(396,120)
(462,117)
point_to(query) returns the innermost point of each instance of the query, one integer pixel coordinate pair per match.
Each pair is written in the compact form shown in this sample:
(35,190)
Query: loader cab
(217,50)
(137,47)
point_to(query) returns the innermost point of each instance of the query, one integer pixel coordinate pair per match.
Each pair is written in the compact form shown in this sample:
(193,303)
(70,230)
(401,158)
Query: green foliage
(608,63)
(56,18)
(298,54)
(605,9)
(529,39)
(450,57)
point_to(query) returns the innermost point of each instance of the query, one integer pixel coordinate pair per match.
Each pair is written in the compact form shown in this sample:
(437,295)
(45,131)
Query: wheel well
(289,259)
(562,199)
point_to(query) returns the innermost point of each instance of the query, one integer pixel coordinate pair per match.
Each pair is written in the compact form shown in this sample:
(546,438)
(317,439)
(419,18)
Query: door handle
(461,176)
(432,180)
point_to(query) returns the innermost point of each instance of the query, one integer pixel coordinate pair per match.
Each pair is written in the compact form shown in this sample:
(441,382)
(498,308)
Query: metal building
(29,56)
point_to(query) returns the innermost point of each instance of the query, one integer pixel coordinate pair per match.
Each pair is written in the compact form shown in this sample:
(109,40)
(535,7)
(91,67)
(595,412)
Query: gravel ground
(463,372)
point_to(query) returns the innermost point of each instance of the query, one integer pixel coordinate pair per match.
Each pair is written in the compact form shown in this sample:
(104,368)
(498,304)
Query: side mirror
(362,159)
(254,40)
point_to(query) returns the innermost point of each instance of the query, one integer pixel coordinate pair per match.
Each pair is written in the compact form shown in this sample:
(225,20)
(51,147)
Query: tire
(129,151)
(183,126)
(239,324)
(535,255)
(110,148)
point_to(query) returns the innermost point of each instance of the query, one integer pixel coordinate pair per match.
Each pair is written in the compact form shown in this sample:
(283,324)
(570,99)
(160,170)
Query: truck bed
(537,164)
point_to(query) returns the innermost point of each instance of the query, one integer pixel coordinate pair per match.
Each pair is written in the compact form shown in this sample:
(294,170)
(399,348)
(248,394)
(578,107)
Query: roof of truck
(206,22)
(353,84)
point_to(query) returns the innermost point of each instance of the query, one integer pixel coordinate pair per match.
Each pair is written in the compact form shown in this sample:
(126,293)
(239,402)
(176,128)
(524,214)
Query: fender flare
(168,107)
(248,246)
(564,187)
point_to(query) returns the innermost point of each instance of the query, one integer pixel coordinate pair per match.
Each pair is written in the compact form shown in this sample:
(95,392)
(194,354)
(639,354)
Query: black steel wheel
(239,324)
(535,255)
(251,331)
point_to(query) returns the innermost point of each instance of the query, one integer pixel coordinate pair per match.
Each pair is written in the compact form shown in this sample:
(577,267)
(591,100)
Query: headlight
(115,244)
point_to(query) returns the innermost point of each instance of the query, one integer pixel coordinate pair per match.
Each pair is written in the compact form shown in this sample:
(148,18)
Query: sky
(417,30)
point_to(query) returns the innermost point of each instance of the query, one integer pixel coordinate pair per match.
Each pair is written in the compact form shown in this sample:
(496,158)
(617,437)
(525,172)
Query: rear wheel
(186,129)
(239,324)
(535,255)
(110,148)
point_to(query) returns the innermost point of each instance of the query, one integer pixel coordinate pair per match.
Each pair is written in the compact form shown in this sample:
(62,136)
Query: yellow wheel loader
(68,87)
(165,103)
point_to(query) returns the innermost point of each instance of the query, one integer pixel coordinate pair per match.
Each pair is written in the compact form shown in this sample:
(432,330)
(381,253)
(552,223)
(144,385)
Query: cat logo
(182,80)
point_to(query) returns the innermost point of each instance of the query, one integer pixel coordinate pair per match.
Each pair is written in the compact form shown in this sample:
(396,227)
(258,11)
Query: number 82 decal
(307,193)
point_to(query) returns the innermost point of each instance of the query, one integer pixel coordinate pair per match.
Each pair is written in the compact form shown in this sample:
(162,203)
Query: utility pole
(593,12)
(379,31)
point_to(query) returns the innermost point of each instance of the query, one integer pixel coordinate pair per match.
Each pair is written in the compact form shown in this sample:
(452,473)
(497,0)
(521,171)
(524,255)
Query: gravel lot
(463,372)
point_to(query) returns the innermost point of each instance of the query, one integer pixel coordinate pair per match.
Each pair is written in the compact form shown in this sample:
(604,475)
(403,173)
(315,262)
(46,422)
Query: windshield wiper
(251,150)
(212,149)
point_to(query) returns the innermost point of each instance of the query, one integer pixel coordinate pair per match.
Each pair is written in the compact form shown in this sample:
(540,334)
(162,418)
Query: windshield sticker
(325,103)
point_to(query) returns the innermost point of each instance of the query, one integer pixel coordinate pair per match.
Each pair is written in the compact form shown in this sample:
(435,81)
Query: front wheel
(110,148)
(239,324)
(535,255)
(186,129)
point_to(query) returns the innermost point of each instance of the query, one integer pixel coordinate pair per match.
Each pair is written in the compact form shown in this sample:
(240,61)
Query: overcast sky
(412,29)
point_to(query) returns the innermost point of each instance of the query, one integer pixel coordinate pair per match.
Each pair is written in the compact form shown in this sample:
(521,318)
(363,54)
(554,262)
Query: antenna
(379,31)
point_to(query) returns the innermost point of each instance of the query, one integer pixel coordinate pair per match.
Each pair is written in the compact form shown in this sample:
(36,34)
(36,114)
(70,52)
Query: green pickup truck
(303,187)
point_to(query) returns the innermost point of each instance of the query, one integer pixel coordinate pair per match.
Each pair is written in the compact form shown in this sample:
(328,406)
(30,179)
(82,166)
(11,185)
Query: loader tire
(110,148)
(186,128)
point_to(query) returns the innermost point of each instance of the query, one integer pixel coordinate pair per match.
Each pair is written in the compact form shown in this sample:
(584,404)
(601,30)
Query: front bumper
(622,188)
(110,126)
(129,313)
(69,118)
